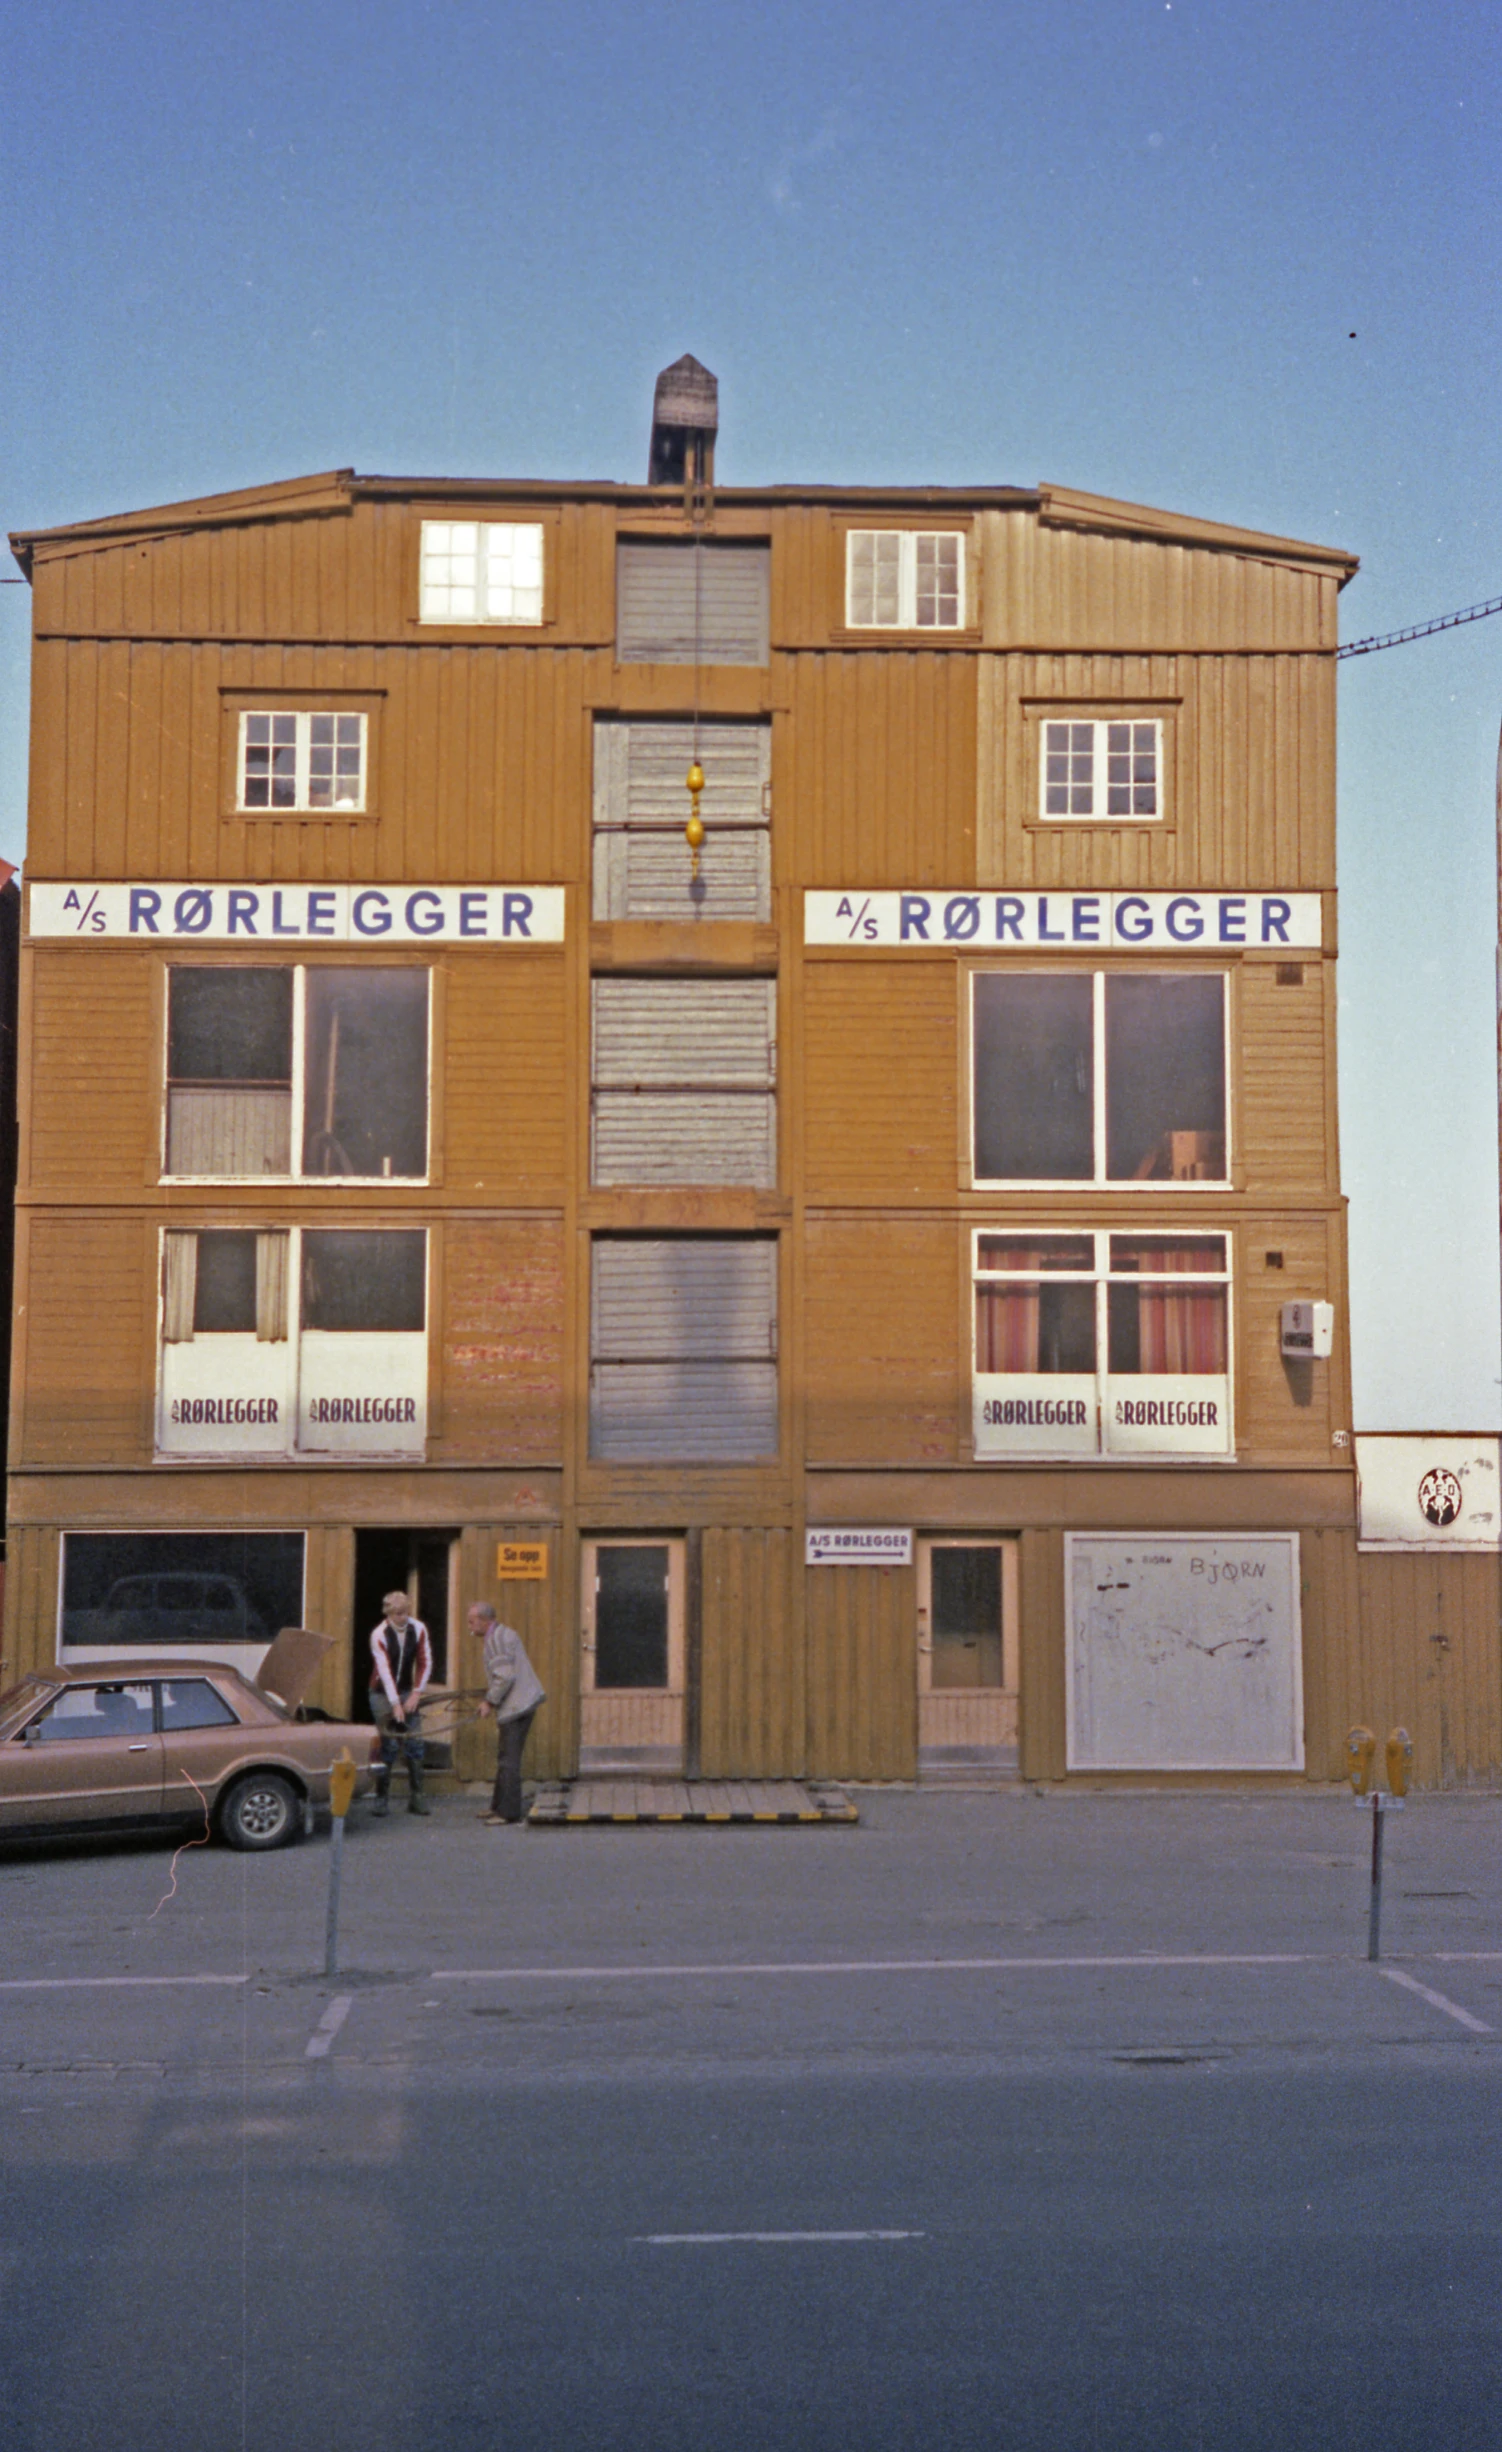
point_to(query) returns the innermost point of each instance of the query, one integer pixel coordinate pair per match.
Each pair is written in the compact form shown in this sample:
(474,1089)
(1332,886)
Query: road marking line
(97,1983)
(328,2026)
(1436,2000)
(720,1969)
(774,2239)
(1488,1958)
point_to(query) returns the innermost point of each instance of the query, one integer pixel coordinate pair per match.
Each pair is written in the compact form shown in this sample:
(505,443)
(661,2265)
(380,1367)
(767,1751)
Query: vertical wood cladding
(505,1077)
(33,1556)
(1285,1124)
(545,1615)
(89,1290)
(1073,586)
(94,1122)
(862,1671)
(873,770)
(752,1690)
(880,1329)
(881,1081)
(1285,1410)
(1405,1639)
(502,1341)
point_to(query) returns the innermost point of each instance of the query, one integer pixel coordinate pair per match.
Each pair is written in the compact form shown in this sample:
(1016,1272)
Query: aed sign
(993,922)
(857,1545)
(375,915)
(522,1562)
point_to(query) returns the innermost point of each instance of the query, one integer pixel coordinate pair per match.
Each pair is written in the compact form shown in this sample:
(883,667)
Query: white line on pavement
(772,2239)
(724,1968)
(1436,2000)
(99,1983)
(328,2026)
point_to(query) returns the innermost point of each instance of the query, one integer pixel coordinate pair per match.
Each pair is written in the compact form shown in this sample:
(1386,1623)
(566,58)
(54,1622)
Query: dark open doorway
(421,1565)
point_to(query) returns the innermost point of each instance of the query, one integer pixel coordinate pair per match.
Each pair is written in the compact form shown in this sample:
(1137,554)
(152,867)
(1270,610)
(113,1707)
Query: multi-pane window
(301,761)
(297,1340)
(1099,1077)
(683,1348)
(1091,1343)
(315,1071)
(1106,771)
(904,579)
(481,570)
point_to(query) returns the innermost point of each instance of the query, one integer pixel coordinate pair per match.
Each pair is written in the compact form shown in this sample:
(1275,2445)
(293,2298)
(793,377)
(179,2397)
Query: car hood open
(291,1665)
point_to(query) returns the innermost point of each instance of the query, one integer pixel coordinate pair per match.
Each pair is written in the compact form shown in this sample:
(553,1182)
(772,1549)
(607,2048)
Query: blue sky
(1241,260)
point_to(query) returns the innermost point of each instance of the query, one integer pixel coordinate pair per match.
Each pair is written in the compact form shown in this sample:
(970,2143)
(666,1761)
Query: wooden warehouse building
(865,1297)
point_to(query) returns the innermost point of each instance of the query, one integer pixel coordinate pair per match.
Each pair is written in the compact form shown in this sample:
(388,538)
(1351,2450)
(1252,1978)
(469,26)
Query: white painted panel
(363,1392)
(1162,1414)
(225,1395)
(1184,1652)
(1036,1413)
(1428,1492)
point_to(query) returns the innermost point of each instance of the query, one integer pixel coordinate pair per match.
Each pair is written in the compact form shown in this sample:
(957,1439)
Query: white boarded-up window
(692,603)
(683,1349)
(642,866)
(684,1073)
(481,570)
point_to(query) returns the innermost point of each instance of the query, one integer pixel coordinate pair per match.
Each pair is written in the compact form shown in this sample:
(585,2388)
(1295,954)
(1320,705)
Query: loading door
(632,1656)
(967,1656)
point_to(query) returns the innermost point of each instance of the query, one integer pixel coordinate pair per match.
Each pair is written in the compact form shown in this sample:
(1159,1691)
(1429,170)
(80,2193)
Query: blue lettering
(192,911)
(279,927)
(1047,935)
(961,917)
(516,911)
(1194,925)
(429,926)
(1009,918)
(913,918)
(1087,919)
(472,915)
(1276,915)
(243,907)
(1140,926)
(320,915)
(381,922)
(1233,919)
(144,906)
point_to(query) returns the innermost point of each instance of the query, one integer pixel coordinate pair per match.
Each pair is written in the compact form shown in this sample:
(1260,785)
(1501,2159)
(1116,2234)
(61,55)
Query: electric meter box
(1308,1331)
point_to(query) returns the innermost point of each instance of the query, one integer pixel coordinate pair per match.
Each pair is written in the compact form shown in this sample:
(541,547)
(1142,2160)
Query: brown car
(100,1747)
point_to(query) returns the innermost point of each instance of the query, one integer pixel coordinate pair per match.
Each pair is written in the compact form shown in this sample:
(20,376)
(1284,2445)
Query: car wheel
(263,1811)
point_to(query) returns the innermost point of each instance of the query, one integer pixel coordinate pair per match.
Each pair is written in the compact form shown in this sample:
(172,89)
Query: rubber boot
(381,1804)
(416,1801)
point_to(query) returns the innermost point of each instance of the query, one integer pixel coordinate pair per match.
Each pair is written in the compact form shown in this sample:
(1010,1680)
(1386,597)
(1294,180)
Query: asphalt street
(999,2121)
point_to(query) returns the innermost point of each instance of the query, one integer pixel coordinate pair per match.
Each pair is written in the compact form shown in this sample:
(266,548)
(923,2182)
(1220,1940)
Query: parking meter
(1399,1760)
(1361,1753)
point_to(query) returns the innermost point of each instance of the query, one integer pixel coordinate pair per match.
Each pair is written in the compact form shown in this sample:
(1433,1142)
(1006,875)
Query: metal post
(1374,1915)
(336,1863)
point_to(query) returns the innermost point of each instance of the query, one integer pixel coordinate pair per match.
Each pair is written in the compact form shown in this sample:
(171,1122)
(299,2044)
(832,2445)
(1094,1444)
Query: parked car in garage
(101,1747)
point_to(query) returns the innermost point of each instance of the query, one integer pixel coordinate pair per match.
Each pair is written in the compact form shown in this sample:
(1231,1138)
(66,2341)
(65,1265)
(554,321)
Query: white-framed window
(1108,1077)
(293,759)
(904,579)
(313,1072)
(293,1341)
(1097,1343)
(1103,770)
(481,570)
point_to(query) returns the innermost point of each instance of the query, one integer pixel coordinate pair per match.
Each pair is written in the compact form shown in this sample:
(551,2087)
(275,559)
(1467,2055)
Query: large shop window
(683,1349)
(642,868)
(310,1072)
(683,1081)
(692,603)
(154,1592)
(1102,1344)
(293,1342)
(1104,1077)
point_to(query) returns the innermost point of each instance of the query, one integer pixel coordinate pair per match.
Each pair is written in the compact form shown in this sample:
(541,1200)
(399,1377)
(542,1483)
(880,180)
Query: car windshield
(18,1701)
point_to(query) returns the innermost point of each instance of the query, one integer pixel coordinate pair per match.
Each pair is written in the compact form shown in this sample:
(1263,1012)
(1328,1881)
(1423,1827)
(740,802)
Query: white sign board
(993,922)
(1428,1493)
(1184,1652)
(857,1545)
(292,916)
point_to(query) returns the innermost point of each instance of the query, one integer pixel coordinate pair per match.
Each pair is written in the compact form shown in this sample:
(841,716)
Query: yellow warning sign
(522,1562)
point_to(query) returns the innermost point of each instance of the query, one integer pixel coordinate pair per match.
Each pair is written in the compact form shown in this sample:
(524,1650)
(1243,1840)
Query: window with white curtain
(481,570)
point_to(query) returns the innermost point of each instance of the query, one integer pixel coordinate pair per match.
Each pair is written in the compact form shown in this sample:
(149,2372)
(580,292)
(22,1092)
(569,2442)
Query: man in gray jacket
(512,1692)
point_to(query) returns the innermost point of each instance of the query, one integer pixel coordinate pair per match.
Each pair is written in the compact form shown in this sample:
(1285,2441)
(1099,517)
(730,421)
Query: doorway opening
(967,1657)
(424,1565)
(632,1656)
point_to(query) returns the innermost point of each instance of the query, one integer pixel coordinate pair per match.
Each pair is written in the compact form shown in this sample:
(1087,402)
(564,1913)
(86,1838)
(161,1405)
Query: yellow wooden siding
(1285,1410)
(751,1691)
(873,770)
(545,1615)
(329,1608)
(862,1672)
(1043,1640)
(506,1085)
(89,1289)
(32,1557)
(93,1115)
(882,1368)
(881,1081)
(1069,587)
(1283,1136)
(1403,1639)
(502,1342)
(1249,756)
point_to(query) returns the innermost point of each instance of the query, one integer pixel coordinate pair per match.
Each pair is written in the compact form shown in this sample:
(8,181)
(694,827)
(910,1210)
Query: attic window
(481,570)
(902,579)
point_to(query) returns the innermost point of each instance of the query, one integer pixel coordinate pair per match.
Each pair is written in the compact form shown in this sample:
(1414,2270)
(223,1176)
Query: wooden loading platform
(568,1804)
